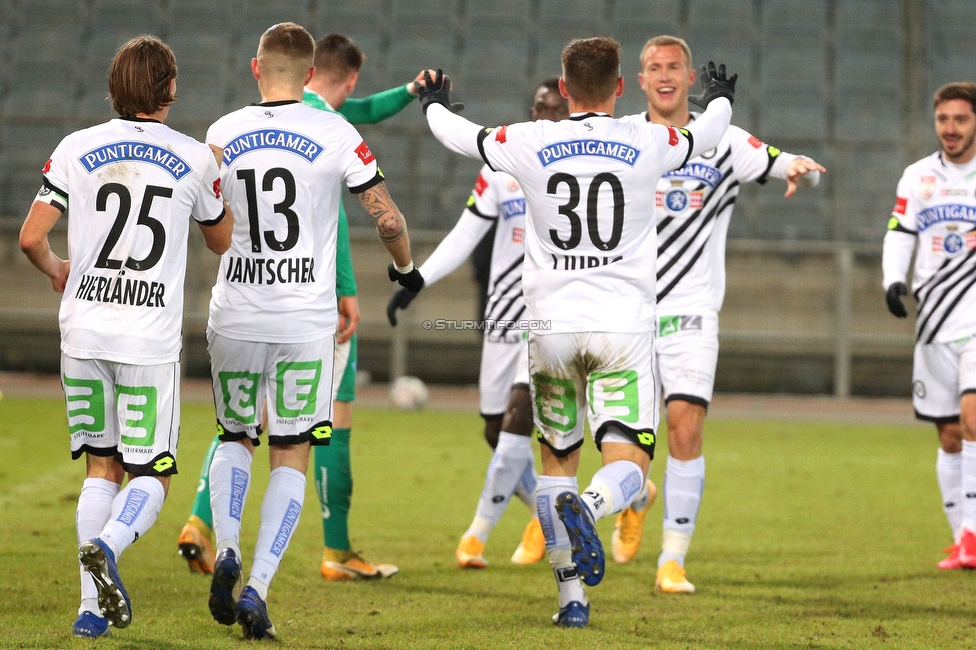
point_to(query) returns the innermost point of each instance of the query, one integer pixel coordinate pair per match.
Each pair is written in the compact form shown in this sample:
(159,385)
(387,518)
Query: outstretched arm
(390,224)
(455,132)
(456,247)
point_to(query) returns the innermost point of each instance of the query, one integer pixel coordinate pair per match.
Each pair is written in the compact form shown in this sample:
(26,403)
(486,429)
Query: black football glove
(412,281)
(893,297)
(401,299)
(714,84)
(437,90)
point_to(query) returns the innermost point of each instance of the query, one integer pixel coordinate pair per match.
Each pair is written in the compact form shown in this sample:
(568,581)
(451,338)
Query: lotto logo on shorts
(321,433)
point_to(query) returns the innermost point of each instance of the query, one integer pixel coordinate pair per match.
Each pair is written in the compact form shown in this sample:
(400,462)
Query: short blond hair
(662,41)
(286,52)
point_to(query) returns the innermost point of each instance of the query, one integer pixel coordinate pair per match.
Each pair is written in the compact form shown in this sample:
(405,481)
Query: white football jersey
(283,166)
(498,196)
(694,207)
(936,201)
(590,242)
(130,186)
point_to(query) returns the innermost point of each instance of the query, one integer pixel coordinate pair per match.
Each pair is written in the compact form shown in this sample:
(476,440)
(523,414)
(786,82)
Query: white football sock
(558,547)
(525,490)
(612,488)
(948,468)
(505,471)
(640,501)
(280,511)
(230,480)
(684,482)
(94,509)
(968,471)
(134,511)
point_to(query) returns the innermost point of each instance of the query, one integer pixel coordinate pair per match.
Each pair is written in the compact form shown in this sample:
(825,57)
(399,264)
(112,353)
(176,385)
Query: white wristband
(403,270)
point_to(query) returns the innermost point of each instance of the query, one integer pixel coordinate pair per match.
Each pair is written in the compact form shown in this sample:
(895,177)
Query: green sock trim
(333,484)
(201,505)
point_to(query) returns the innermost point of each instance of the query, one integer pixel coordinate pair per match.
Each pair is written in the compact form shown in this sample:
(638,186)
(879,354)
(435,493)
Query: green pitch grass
(810,535)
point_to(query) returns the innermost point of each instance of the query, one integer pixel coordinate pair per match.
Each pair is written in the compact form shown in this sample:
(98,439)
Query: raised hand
(714,84)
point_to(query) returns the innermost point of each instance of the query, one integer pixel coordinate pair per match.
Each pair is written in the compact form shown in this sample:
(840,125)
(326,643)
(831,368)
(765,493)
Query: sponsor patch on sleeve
(501,134)
(47,166)
(216,188)
(672,136)
(364,153)
(480,185)
(900,205)
(755,142)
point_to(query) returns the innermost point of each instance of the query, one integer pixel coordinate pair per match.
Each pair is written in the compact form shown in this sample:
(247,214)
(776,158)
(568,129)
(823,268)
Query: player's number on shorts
(283,208)
(568,210)
(125,205)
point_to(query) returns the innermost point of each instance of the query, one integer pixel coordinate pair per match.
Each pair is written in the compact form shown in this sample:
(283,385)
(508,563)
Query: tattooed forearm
(389,222)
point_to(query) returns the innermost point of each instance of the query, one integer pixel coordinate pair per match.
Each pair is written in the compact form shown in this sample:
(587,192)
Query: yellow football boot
(195,546)
(349,565)
(533,545)
(470,553)
(671,579)
(629,529)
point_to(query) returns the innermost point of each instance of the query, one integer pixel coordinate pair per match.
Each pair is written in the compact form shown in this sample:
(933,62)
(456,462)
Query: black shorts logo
(918,387)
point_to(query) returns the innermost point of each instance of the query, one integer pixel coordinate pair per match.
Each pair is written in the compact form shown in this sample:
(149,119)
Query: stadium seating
(817,77)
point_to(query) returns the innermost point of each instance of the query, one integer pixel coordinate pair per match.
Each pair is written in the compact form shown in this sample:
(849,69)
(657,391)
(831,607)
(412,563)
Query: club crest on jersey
(513,208)
(698,172)
(271,139)
(603,148)
(953,242)
(136,152)
(927,187)
(678,199)
(941,213)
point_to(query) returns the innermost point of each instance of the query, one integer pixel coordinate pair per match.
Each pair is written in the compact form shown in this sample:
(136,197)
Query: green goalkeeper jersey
(365,110)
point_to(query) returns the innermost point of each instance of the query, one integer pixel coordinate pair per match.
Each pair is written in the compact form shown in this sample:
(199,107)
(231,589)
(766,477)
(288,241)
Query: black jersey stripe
(694,258)
(935,279)
(665,222)
(501,276)
(946,273)
(950,308)
(514,319)
(498,296)
(688,222)
(661,272)
(930,309)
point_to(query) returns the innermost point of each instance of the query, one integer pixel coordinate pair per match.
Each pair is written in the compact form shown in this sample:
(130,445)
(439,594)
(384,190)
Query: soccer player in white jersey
(935,217)
(588,279)
(694,207)
(503,384)
(132,186)
(273,313)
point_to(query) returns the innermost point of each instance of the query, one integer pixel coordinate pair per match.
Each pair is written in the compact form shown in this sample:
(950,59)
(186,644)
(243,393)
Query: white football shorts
(293,379)
(941,374)
(502,366)
(608,376)
(123,410)
(687,354)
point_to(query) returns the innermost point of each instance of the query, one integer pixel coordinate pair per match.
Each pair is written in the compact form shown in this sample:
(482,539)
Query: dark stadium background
(848,82)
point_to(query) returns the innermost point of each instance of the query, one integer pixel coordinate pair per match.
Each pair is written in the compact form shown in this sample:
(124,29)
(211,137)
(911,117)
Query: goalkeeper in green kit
(337,63)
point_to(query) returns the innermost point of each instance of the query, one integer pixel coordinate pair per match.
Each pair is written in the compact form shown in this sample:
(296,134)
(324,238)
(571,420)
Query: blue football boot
(113,602)
(252,614)
(90,625)
(226,580)
(588,557)
(575,614)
